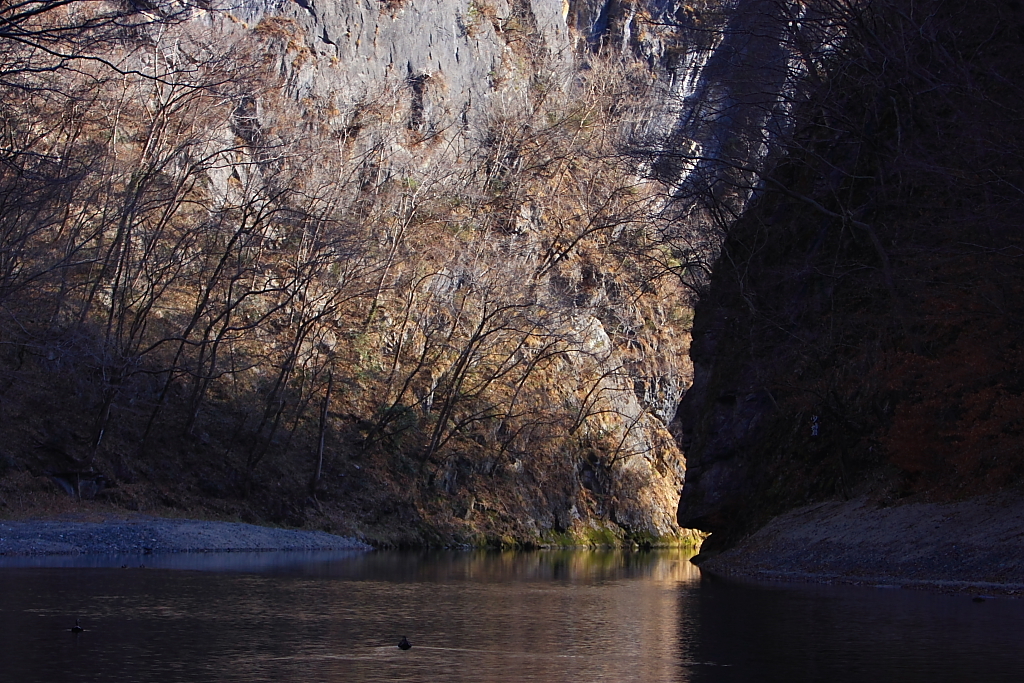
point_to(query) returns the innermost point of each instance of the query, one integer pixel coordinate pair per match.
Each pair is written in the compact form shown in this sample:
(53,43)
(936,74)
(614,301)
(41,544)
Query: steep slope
(861,333)
(379,267)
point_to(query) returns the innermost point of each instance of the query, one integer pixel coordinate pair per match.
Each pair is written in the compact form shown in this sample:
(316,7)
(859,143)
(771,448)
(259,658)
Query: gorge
(425,271)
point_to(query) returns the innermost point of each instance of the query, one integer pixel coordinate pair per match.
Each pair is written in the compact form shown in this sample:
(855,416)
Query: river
(549,616)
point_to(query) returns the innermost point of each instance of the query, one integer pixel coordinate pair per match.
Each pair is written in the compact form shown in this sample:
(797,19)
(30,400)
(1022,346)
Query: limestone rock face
(447,69)
(393,259)
(456,58)
(451,66)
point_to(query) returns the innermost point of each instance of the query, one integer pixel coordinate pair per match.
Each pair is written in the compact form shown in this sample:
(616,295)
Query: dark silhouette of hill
(862,333)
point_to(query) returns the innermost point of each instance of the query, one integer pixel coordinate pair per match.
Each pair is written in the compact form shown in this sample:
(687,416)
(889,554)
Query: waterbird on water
(404,644)
(77,628)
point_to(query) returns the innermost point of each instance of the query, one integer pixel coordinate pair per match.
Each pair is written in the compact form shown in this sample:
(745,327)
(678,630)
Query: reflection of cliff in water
(504,618)
(469,617)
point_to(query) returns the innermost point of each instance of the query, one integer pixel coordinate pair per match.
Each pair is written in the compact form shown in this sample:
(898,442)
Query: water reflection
(546,616)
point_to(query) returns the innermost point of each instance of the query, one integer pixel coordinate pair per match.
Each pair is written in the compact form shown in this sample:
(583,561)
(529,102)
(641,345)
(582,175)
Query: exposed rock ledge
(152,535)
(971,546)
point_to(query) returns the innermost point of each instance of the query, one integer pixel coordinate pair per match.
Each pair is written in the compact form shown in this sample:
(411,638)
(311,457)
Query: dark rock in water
(404,644)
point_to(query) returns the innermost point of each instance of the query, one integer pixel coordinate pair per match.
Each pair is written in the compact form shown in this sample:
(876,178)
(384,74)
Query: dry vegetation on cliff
(217,299)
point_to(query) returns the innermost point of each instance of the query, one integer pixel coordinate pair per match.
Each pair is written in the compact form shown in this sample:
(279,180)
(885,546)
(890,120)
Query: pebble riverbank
(154,535)
(973,546)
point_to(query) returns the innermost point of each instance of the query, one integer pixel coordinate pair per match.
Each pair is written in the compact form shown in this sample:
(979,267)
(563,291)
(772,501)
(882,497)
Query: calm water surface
(544,616)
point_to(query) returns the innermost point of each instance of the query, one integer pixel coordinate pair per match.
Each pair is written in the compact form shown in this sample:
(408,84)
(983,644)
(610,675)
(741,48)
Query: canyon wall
(383,267)
(416,270)
(860,334)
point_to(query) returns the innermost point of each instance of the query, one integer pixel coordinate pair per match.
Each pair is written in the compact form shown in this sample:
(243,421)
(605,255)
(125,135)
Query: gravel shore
(974,546)
(154,535)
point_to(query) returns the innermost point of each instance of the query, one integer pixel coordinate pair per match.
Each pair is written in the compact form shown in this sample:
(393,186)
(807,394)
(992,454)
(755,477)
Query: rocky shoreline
(145,535)
(974,546)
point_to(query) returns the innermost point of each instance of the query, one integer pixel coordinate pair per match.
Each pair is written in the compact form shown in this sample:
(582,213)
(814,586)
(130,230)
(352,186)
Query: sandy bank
(153,535)
(970,546)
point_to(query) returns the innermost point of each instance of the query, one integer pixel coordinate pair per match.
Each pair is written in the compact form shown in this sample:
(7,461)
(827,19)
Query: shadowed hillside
(862,330)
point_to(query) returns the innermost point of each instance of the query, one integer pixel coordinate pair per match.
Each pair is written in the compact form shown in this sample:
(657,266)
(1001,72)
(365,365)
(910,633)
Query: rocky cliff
(861,330)
(384,267)
(416,269)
